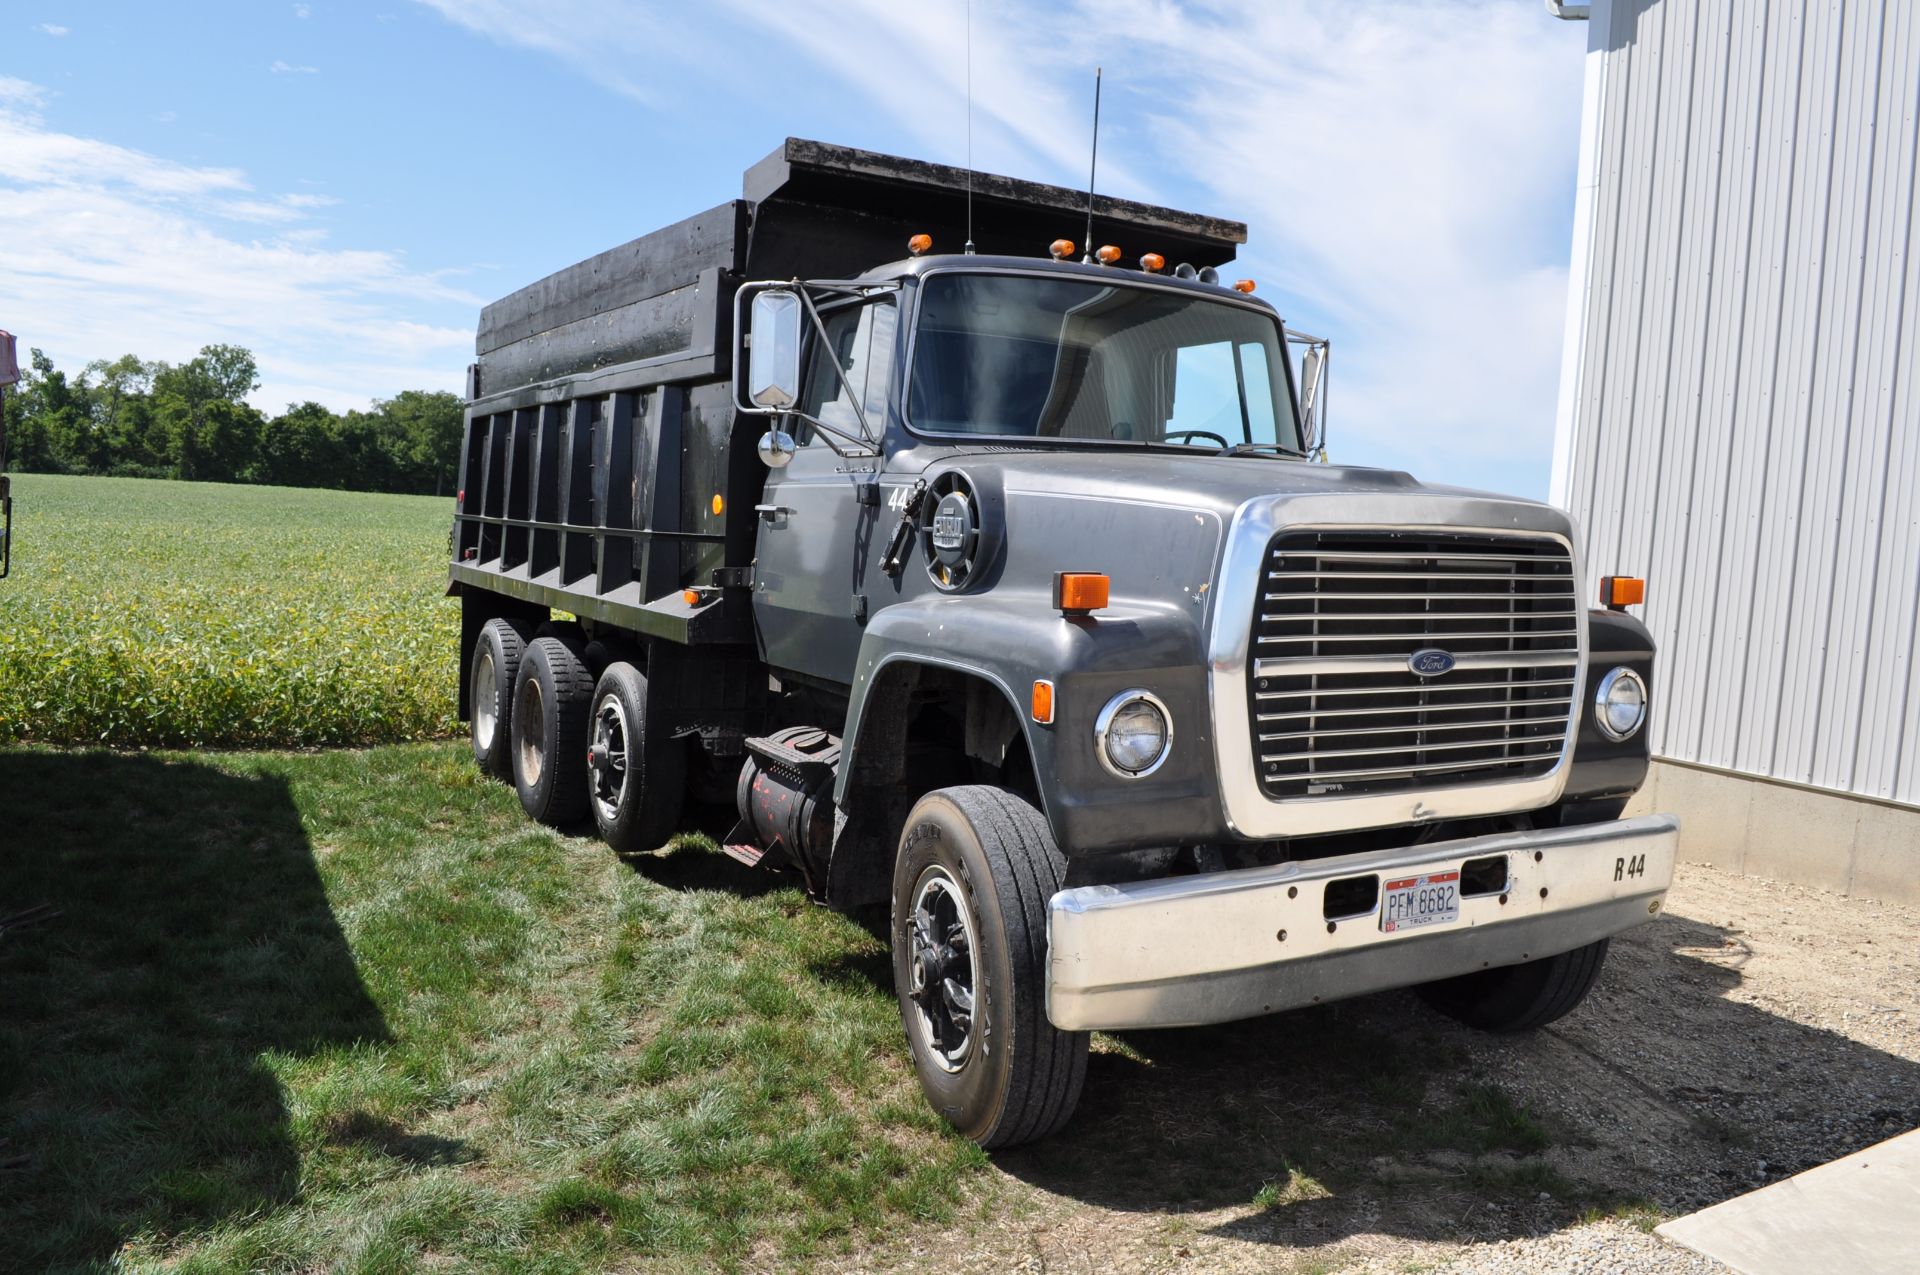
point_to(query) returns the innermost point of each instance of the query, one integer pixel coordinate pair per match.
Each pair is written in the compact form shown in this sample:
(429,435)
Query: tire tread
(509,639)
(1049,1075)
(570,708)
(1520,998)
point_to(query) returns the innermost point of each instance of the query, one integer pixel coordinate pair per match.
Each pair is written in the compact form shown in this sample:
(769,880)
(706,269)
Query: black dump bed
(808,210)
(600,471)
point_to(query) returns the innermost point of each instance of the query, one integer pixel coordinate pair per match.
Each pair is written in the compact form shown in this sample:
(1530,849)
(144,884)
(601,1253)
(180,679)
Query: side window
(1205,392)
(1223,388)
(860,337)
(1257,378)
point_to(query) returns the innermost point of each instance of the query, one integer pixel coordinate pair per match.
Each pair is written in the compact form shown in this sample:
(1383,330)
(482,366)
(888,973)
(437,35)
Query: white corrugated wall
(1740,421)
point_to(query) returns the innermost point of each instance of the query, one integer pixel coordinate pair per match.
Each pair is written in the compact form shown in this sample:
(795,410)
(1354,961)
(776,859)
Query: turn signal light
(1043,702)
(1079,592)
(1620,592)
(1153,263)
(919,244)
(1061,249)
(1244,285)
(1107,255)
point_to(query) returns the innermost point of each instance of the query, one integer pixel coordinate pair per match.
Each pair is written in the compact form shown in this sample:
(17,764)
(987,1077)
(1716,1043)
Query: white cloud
(20,94)
(112,251)
(1405,166)
(52,29)
(280,67)
(302,11)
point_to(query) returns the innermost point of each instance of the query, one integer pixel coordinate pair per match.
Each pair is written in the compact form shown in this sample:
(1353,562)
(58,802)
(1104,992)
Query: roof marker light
(1107,255)
(1061,249)
(1244,285)
(919,244)
(1153,263)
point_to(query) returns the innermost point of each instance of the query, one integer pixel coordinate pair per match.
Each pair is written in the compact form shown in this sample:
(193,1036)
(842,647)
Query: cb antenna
(1093,165)
(969,128)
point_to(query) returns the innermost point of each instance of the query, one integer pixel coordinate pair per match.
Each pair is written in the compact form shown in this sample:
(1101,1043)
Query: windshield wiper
(1250,449)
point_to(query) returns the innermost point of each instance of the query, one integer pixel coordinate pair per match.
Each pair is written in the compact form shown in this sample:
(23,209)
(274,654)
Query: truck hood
(1158,524)
(1204,483)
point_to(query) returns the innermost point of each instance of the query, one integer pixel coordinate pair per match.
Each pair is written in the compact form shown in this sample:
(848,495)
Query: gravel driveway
(1754,1030)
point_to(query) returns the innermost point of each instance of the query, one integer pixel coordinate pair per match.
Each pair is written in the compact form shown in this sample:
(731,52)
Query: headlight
(1620,704)
(1133,734)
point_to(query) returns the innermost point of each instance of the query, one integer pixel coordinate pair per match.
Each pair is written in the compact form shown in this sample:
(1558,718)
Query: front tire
(636,773)
(971,884)
(550,703)
(491,676)
(1518,998)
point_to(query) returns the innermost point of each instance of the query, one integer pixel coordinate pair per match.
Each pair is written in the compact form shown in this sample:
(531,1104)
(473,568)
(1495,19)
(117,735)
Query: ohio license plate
(1411,902)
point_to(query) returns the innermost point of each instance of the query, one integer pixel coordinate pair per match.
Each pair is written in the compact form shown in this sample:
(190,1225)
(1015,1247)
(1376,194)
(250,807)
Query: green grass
(144,613)
(350,1011)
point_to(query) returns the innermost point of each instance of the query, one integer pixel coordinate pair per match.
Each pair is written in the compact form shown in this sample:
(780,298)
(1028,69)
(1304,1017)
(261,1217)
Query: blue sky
(339,186)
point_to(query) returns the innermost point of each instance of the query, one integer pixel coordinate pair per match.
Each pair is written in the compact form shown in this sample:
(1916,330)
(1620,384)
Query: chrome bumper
(1183,951)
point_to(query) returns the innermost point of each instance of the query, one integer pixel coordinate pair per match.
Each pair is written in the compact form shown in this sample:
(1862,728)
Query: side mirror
(773,363)
(776,448)
(1313,390)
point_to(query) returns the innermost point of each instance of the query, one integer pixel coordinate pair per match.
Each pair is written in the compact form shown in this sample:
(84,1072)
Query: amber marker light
(919,244)
(719,504)
(690,596)
(1153,263)
(1107,255)
(1617,593)
(1043,701)
(1061,249)
(1244,285)
(1080,592)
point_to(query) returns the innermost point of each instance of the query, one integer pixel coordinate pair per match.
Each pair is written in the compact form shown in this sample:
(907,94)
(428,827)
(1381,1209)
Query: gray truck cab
(1022,606)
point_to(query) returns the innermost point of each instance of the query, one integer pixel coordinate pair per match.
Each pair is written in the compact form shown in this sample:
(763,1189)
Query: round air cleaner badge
(955,532)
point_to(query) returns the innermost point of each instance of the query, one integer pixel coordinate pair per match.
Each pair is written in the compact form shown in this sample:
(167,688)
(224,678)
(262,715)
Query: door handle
(772,513)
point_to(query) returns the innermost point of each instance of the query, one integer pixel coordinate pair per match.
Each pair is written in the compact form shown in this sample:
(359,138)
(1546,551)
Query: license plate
(1411,902)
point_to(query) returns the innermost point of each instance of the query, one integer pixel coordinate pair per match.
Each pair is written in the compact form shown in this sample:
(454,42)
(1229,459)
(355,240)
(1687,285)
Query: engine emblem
(1430,661)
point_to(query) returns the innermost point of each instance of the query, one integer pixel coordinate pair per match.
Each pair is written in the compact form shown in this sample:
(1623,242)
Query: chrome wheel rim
(530,723)
(483,696)
(941,940)
(607,756)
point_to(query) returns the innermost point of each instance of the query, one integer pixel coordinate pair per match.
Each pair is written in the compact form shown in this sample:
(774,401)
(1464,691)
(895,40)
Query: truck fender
(1009,640)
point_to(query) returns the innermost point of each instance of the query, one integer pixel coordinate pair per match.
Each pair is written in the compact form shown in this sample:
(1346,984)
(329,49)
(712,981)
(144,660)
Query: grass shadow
(696,862)
(189,935)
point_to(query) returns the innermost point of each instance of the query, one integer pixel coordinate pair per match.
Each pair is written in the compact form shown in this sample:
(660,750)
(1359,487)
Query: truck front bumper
(1183,951)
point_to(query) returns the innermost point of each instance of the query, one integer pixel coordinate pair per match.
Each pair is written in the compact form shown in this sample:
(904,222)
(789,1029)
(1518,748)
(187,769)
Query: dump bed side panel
(585,505)
(656,308)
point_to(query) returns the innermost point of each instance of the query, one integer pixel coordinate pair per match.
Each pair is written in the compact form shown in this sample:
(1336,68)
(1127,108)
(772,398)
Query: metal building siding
(1745,426)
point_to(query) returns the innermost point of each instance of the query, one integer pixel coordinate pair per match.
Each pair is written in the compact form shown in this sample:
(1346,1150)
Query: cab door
(815,549)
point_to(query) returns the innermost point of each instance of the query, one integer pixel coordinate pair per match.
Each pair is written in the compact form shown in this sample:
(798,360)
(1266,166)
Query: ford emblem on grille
(1430,661)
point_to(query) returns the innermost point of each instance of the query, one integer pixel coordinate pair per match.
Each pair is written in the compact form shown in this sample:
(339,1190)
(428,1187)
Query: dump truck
(1000,581)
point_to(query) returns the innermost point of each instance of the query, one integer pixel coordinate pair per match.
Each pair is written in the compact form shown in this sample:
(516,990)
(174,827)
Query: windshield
(1029,356)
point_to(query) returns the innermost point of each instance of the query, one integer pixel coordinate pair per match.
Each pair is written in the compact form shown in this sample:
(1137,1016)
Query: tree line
(137,419)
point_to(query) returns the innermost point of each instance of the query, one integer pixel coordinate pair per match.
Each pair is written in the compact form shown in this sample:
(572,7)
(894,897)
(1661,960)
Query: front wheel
(1518,998)
(971,884)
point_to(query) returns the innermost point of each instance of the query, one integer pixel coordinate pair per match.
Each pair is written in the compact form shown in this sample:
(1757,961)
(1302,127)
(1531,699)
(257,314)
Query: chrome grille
(1336,709)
